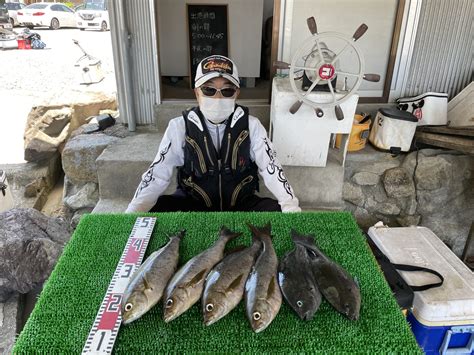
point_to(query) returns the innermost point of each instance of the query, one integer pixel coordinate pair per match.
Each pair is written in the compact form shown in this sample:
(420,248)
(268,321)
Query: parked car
(50,14)
(13,8)
(4,17)
(93,15)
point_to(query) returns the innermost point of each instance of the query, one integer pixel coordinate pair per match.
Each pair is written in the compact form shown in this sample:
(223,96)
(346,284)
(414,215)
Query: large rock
(353,194)
(46,131)
(86,196)
(30,244)
(365,178)
(10,322)
(79,156)
(398,183)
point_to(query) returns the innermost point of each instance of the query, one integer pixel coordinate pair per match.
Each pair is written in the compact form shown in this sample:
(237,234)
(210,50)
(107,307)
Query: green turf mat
(70,299)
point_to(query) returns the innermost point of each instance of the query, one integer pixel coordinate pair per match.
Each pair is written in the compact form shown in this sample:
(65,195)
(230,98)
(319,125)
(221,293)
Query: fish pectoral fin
(147,284)
(332,293)
(234,284)
(271,287)
(196,279)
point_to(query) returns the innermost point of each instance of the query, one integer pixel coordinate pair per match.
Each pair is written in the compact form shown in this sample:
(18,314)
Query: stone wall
(435,190)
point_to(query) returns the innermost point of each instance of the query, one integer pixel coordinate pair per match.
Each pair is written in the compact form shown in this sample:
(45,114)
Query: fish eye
(256,316)
(209,307)
(169,303)
(299,303)
(128,307)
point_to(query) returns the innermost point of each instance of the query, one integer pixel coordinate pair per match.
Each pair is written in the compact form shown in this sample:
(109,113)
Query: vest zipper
(198,150)
(199,190)
(238,142)
(228,148)
(207,151)
(239,187)
(220,184)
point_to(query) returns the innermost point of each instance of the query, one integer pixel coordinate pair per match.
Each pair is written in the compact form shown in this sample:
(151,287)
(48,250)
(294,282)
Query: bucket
(358,136)
(21,43)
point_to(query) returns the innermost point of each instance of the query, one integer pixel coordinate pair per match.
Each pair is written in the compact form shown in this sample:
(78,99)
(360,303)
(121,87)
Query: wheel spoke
(332,91)
(339,54)
(319,51)
(304,68)
(312,86)
(347,74)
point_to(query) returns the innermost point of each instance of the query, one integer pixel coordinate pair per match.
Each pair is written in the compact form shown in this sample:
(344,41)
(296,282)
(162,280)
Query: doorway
(252,40)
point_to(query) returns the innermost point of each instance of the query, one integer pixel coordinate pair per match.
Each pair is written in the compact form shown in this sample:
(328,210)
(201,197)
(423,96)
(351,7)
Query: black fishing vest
(219,179)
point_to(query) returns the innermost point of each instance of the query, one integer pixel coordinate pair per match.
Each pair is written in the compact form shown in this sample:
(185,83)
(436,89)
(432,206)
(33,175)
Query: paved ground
(29,77)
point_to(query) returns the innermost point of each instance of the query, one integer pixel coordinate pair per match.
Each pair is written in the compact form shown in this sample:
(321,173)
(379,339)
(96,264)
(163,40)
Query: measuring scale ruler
(104,331)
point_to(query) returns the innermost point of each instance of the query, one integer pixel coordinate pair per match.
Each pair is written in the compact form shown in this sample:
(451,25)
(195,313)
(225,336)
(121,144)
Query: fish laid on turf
(297,282)
(186,286)
(225,283)
(147,284)
(334,283)
(262,293)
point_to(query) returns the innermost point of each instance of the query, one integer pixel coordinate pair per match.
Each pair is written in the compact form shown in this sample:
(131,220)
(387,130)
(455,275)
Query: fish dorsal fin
(234,250)
(197,278)
(258,231)
(271,287)
(235,283)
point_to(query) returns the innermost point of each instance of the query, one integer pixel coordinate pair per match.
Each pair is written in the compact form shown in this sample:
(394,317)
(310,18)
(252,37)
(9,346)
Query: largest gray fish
(186,286)
(335,283)
(262,294)
(149,281)
(225,284)
(297,282)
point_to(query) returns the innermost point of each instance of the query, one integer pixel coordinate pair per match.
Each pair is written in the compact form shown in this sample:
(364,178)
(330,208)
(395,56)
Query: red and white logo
(418,114)
(326,72)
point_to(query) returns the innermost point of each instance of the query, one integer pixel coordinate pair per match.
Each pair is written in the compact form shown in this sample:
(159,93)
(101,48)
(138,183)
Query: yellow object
(358,136)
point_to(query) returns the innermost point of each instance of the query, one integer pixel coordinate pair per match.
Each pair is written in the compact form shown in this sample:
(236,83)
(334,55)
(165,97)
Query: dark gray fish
(297,283)
(186,286)
(225,283)
(334,283)
(147,284)
(262,294)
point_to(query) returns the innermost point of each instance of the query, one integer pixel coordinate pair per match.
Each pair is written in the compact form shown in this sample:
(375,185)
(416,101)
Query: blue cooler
(442,318)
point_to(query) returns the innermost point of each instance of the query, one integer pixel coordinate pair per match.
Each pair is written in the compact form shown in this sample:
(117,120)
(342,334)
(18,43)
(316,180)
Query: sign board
(207,33)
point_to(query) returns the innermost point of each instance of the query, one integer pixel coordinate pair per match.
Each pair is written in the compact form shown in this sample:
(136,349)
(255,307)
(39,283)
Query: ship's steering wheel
(320,68)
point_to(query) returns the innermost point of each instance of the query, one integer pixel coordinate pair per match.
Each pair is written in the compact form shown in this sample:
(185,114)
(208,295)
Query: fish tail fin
(305,240)
(258,232)
(228,234)
(179,235)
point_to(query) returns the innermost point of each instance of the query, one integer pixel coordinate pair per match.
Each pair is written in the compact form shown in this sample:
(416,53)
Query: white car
(13,8)
(93,15)
(50,14)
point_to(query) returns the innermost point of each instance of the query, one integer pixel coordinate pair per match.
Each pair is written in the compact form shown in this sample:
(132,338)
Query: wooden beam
(464,145)
(447,130)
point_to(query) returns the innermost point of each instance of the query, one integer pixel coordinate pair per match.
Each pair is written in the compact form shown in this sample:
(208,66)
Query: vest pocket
(198,150)
(199,190)
(242,136)
(239,187)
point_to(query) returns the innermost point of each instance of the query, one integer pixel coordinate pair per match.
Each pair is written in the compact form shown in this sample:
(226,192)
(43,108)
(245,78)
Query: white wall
(345,16)
(245,35)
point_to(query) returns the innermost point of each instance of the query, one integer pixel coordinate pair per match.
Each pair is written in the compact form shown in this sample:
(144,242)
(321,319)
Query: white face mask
(216,110)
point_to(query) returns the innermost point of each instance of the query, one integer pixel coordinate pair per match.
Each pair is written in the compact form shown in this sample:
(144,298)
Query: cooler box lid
(450,304)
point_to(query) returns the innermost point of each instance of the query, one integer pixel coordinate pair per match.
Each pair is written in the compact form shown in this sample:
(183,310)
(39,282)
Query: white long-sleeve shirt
(171,155)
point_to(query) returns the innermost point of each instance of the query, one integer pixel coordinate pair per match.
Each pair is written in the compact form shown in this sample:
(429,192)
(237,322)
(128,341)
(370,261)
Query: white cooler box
(393,130)
(442,318)
(430,108)
(6,198)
